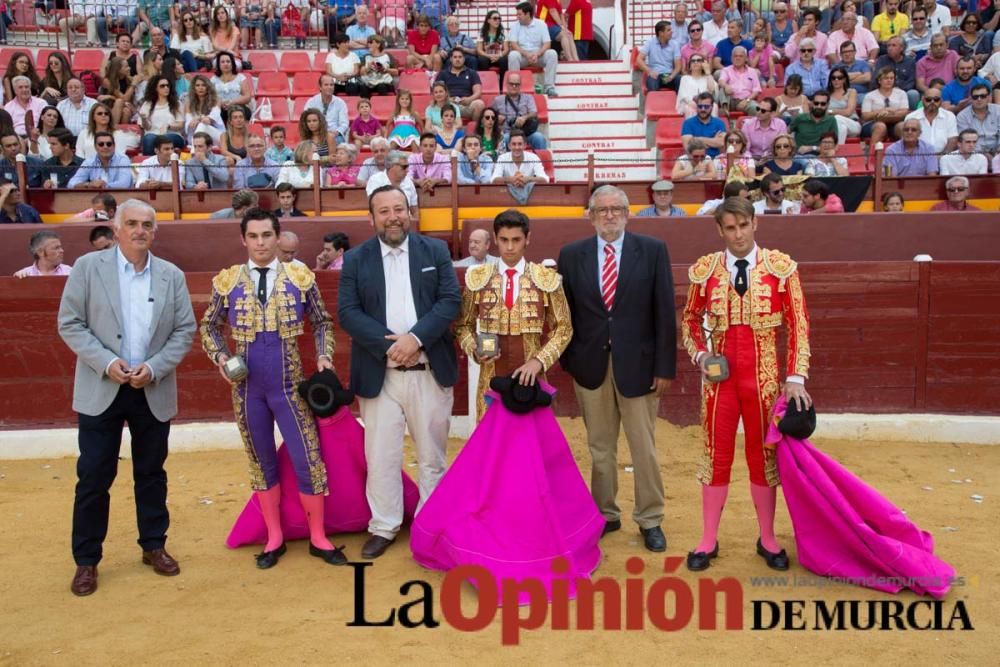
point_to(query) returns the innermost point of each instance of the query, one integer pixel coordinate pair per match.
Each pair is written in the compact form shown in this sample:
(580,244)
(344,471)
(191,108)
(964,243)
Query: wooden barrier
(887,337)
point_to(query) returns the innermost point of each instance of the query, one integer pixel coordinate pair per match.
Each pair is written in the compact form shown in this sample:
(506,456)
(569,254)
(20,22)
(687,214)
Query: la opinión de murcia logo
(633,605)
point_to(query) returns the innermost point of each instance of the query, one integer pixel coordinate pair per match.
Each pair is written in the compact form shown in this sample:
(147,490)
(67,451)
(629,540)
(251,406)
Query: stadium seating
(668,132)
(279,111)
(415,82)
(304,84)
(527,80)
(92,59)
(383,106)
(296,61)
(271,84)
(660,104)
(490,81)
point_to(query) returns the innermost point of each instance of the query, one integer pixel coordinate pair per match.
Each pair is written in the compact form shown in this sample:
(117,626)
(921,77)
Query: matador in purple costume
(266,303)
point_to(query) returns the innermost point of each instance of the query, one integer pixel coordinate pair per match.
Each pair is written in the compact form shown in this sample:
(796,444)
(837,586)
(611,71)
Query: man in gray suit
(127,315)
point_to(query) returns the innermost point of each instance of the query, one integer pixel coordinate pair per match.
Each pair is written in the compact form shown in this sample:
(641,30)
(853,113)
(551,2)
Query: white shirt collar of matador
(751,259)
(272,274)
(519,271)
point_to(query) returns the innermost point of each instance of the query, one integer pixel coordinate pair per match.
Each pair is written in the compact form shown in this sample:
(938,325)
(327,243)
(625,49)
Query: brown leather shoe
(375,547)
(85,580)
(162,562)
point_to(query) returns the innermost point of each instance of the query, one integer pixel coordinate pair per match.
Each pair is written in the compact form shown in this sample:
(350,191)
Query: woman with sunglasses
(736,163)
(695,165)
(102,120)
(843,104)
(827,163)
(492,46)
(971,41)
(882,109)
(490,134)
(697,80)
(190,38)
(783,163)
(38,141)
(161,114)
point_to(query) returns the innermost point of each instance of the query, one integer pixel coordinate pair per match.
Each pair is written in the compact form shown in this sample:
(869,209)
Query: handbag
(530,126)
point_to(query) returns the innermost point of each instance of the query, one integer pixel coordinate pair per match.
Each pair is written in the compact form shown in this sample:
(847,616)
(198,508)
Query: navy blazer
(641,324)
(361,310)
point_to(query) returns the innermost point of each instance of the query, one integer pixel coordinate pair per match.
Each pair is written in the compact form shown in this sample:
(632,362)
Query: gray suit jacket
(90,322)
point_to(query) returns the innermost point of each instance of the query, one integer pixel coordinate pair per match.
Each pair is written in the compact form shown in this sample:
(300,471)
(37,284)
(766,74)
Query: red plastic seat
(263,62)
(542,104)
(398,56)
(856,160)
(272,84)
(415,82)
(319,64)
(383,106)
(545,155)
(42,58)
(6,53)
(295,61)
(660,104)
(279,110)
(490,81)
(92,59)
(668,132)
(667,159)
(298,106)
(304,84)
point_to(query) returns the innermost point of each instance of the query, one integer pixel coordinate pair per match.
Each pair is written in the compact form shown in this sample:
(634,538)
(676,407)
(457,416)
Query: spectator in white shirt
(75,109)
(518,169)
(396,173)
(938,126)
(155,172)
(298,172)
(530,46)
(965,161)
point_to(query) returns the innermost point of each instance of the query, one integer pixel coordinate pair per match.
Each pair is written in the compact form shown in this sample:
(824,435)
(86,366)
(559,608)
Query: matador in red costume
(742,295)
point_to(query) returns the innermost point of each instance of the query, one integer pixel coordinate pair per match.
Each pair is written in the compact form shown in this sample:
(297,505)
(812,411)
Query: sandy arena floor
(222,611)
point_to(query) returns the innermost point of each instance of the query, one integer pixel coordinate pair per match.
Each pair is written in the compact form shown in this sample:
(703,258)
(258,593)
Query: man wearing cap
(266,303)
(663,202)
(746,292)
(515,300)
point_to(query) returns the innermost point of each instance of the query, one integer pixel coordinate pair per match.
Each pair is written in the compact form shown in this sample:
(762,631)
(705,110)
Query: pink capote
(511,502)
(845,528)
(342,446)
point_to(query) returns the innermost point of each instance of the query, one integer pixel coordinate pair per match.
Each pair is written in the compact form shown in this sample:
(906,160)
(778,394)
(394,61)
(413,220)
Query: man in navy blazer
(398,297)
(622,355)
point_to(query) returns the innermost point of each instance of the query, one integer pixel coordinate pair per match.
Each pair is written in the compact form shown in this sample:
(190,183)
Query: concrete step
(600,144)
(566,103)
(582,89)
(592,79)
(592,115)
(574,130)
(594,66)
(572,174)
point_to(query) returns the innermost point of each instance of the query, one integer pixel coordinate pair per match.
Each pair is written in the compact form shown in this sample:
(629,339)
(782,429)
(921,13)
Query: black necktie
(262,284)
(741,276)
(206,176)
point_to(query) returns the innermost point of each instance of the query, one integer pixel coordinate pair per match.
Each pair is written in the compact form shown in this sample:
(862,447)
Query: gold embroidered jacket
(774,296)
(294,298)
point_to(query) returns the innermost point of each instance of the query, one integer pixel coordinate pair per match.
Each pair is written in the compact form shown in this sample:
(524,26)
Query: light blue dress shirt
(135,291)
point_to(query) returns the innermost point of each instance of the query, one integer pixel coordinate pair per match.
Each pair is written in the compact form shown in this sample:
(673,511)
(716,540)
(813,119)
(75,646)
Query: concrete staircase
(596,111)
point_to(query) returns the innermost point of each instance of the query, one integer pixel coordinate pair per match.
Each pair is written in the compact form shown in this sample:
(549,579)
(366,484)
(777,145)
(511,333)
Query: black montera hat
(796,423)
(518,398)
(324,393)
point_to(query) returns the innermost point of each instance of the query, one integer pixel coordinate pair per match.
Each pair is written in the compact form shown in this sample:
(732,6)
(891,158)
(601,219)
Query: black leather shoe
(778,561)
(611,526)
(699,560)
(330,556)
(375,547)
(268,559)
(654,538)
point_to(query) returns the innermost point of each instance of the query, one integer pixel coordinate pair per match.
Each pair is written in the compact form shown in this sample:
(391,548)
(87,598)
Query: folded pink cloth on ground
(342,446)
(511,502)
(846,529)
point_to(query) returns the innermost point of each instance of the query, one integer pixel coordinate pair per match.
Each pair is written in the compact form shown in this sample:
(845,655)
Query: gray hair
(244,198)
(607,190)
(739,49)
(808,41)
(378,142)
(128,204)
(19,79)
(954,180)
(291,236)
(397,156)
(38,239)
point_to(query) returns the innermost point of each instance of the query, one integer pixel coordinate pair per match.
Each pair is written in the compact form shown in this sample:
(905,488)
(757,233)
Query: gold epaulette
(779,265)
(226,279)
(545,279)
(300,275)
(702,270)
(478,277)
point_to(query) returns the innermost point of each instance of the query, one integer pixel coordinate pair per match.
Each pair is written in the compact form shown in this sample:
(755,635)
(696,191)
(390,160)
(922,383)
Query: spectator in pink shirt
(939,63)
(850,31)
(428,167)
(739,84)
(817,198)
(22,103)
(697,45)
(809,24)
(47,251)
(762,130)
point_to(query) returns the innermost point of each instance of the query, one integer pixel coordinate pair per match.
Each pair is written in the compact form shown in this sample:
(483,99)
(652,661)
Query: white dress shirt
(518,272)
(272,275)
(400,309)
(150,169)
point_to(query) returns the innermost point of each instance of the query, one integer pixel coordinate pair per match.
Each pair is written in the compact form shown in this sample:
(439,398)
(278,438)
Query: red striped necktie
(609,277)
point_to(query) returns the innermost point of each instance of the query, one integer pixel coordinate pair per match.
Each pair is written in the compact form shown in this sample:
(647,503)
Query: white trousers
(414,400)
(549,62)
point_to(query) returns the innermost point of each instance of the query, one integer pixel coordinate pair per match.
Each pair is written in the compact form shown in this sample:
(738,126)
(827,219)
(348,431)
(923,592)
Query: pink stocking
(313,506)
(764,499)
(270,507)
(713,499)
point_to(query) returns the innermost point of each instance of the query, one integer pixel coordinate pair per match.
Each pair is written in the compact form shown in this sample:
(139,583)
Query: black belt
(414,367)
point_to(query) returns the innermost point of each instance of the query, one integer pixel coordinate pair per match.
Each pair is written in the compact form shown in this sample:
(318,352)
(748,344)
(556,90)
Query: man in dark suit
(127,316)
(622,355)
(398,297)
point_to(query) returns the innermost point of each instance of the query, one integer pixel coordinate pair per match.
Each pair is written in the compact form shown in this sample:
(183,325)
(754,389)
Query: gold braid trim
(544,278)
(778,264)
(300,275)
(702,270)
(226,279)
(478,277)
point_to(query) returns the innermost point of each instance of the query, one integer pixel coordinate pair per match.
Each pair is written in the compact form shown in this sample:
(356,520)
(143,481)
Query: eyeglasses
(980,96)
(704,106)
(610,210)
(402,165)
(819,104)
(919,18)
(932,99)
(104,144)
(494,18)
(513,83)
(764,109)
(694,30)
(780,146)
(163,85)
(838,78)
(697,60)
(806,50)
(953,190)
(188,19)
(778,192)
(101,113)
(911,129)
